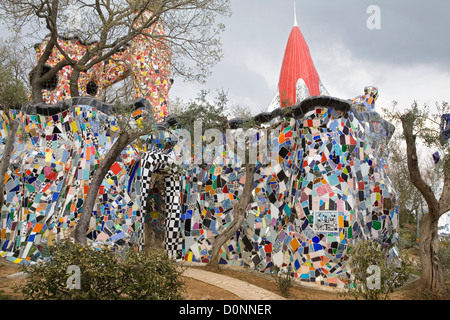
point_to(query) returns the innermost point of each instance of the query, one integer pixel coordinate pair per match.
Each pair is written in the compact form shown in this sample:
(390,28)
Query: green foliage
(104,275)
(4,296)
(407,238)
(444,255)
(12,90)
(363,282)
(284,280)
(212,114)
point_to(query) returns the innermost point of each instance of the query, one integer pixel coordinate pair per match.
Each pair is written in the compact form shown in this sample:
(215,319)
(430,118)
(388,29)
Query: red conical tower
(298,77)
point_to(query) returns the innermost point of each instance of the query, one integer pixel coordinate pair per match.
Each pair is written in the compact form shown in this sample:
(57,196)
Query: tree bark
(431,280)
(124,139)
(239,215)
(73,83)
(7,151)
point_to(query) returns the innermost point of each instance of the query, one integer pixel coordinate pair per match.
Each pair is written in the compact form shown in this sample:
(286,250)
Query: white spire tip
(295,16)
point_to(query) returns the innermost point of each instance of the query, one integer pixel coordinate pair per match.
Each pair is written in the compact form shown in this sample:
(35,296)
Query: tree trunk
(36,93)
(125,138)
(239,215)
(432,278)
(7,151)
(73,83)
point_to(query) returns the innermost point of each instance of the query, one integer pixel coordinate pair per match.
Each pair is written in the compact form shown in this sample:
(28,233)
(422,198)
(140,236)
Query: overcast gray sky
(407,59)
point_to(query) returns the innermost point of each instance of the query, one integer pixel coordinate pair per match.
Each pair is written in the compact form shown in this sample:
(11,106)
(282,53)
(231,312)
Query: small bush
(365,259)
(284,280)
(444,255)
(407,238)
(4,296)
(104,275)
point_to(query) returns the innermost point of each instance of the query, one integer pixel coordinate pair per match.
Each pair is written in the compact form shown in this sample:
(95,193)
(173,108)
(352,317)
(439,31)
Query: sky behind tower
(408,58)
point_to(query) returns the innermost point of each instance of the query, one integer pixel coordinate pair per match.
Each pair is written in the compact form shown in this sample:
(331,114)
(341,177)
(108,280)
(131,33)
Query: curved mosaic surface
(325,186)
(147,60)
(48,178)
(322,184)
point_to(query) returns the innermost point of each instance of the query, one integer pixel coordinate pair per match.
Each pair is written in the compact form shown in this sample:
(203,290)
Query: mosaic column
(92,82)
(156,161)
(150,59)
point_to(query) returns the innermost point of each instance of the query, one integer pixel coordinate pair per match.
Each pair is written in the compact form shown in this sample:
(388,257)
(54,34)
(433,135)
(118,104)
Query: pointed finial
(295,16)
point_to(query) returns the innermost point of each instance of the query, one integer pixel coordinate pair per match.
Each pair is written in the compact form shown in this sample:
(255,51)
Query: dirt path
(8,284)
(195,289)
(201,290)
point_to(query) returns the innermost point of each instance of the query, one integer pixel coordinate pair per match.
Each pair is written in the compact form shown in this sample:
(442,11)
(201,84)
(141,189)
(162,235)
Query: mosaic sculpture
(58,148)
(367,100)
(147,60)
(323,185)
(321,182)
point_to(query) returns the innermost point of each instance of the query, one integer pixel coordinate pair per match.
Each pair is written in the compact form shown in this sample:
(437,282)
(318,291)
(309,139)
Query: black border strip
(296,111)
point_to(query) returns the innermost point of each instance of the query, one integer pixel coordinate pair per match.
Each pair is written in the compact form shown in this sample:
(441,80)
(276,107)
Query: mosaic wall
(323,185)
(445,126)
(48,178)
(367,100)
(326,186)
(149,61)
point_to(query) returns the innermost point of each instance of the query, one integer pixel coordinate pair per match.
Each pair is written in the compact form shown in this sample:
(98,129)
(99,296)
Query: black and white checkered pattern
(91,135)
(155,160)
(174,238)
(49,144)
(70,136)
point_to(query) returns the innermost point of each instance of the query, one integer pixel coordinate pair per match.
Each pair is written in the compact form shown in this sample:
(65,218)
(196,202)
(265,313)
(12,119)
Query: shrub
(444,255)
(104,275)
(284,279)
(373,276)
(407,238)
(4,296)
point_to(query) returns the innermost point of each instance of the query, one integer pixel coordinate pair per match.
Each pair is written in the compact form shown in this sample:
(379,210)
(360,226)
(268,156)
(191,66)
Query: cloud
(262,65)
(345,75)
(407,59)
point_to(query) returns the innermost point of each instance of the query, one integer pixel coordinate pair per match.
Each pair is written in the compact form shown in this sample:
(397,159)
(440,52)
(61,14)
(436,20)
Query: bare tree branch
(413,163)
(191,31)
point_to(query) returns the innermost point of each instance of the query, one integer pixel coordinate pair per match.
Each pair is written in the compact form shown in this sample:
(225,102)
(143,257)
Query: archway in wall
(157,161)
(154,214)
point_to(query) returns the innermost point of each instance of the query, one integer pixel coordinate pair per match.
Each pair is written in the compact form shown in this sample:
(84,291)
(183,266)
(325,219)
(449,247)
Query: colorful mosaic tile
(324,186)
(48,178)
(149,60)
(368,98)
(445,126)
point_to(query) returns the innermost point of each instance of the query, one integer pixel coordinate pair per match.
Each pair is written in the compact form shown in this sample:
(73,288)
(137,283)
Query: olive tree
(131,127)
(191,37)
(422,125)
(12,92)
(191,32)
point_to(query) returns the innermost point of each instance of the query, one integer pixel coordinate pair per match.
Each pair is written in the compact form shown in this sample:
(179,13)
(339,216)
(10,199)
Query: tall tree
(12,92)
(410,199)
(191,38)
(421,125)
(191,32)
(131,127)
